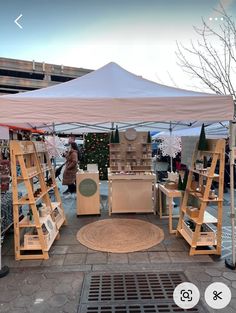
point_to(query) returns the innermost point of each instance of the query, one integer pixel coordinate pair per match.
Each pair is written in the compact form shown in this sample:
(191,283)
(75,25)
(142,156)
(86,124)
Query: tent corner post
(230,263)
(5,269)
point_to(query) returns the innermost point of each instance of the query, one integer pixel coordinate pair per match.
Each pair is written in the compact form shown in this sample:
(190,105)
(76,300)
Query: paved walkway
(54,285)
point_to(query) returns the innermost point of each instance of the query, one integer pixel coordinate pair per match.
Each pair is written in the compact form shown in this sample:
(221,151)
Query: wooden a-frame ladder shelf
(198,227)
(36,232)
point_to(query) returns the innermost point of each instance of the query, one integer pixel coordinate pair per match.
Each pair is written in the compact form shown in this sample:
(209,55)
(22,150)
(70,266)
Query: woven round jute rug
(120,235)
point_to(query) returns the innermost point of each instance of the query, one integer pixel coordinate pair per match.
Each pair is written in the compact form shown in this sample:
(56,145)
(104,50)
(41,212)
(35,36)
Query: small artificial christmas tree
(180,184)
(149,138)
(202,145)
(117,137)
(185,180)
(112,140)
(205,163)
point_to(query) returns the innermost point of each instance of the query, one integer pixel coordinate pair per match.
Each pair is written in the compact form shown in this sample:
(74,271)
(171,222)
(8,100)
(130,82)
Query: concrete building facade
(20,76)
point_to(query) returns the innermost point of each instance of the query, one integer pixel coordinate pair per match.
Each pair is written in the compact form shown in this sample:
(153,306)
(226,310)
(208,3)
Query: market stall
(112,94)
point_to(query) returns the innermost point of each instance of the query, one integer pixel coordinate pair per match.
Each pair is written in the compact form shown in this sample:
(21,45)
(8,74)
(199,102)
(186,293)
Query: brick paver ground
(54,285)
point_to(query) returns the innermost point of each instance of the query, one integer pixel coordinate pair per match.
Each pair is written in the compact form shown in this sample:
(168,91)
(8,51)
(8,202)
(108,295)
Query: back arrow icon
(16,21)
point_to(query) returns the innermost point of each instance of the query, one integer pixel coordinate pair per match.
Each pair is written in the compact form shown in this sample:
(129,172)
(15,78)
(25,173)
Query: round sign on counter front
(87,187)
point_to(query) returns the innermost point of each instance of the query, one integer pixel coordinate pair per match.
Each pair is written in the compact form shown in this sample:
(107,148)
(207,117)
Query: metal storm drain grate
(139,308)
(131,293)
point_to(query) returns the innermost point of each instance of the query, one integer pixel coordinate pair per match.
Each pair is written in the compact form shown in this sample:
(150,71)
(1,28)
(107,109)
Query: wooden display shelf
(215,176)
(131,150)
(25,222)
(143,170)
(210,152)
(207,219)
(216,150)
(140,165)
(199,196)
(25,199)
(24,153)
(22,158)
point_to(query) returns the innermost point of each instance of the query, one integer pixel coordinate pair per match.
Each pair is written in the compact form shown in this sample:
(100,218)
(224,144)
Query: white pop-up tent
(111,94)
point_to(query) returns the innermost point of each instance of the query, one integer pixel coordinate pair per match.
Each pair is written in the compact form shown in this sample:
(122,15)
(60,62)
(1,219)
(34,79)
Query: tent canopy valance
(112,94)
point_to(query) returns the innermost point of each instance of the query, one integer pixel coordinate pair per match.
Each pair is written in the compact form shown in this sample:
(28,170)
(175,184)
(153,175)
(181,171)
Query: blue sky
(140,35)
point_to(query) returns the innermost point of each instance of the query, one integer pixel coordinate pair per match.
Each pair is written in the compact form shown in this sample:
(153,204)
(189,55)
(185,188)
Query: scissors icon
(217,295)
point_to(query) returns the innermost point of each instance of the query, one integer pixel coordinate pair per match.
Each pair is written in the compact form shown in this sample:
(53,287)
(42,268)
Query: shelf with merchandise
(41,222)
(202,191)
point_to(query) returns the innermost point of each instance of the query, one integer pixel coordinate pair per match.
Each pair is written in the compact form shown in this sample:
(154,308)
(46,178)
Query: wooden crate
(49,230)
(206,238)
(31,241)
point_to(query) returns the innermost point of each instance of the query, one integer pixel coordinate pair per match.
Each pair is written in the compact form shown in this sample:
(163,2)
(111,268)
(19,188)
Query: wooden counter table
(131,193)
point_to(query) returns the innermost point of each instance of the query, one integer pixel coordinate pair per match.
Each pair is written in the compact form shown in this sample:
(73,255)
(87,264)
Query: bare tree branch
(212,59)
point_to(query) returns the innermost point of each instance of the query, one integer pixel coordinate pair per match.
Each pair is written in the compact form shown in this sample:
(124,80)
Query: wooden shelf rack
(202,230)
(36,232)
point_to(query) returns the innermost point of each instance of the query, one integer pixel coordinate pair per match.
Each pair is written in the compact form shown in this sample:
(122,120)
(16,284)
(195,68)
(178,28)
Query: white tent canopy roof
(109,82)
(216,130)
(111,94)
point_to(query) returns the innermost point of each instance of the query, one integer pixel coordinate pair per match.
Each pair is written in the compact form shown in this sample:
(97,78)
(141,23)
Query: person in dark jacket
(71,166)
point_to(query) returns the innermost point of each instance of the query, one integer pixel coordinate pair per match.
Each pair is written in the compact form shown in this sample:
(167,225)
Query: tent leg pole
(54,132)
(5,269)
(230,263)
(171,164)
(171,158)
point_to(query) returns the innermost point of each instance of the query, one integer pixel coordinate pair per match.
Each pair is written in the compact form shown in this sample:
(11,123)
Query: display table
(170,195)
(131,193)
(88,194)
